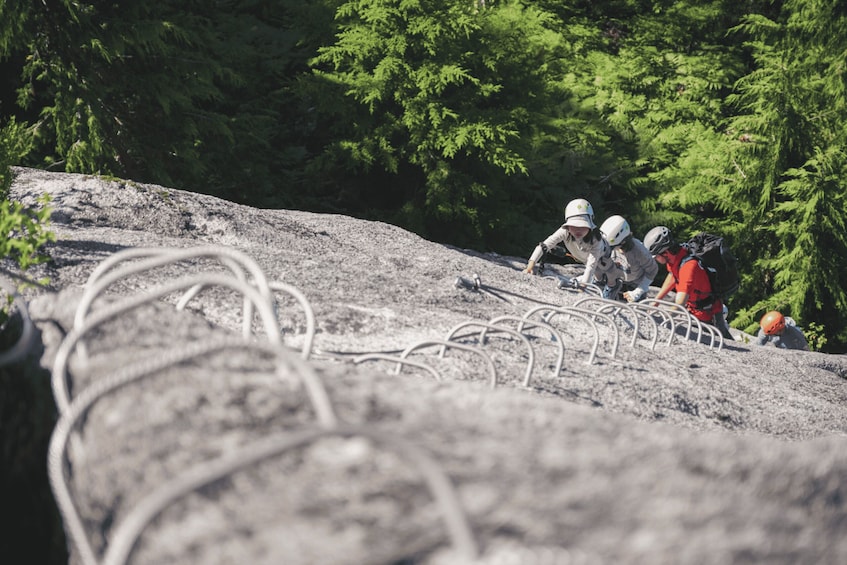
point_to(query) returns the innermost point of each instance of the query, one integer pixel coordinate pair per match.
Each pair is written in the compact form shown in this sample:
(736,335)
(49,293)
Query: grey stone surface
(678,454)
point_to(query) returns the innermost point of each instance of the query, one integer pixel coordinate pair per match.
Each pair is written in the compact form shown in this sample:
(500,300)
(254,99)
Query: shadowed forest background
(468,122)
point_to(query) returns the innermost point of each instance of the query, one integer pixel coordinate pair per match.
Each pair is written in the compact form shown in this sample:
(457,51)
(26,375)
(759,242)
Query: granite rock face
(194,437)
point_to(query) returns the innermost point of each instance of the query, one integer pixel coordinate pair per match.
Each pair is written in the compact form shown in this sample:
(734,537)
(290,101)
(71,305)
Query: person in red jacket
(688,278)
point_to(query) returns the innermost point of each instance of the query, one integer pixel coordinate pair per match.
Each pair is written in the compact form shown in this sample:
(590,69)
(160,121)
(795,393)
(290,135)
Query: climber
(688,278)
(583,240)
(781,331)
(632,262)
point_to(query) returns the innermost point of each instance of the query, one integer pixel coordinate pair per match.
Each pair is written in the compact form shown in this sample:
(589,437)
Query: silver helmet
(658,239)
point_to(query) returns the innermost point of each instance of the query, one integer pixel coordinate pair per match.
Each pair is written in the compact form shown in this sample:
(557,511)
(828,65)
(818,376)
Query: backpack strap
(688,258)
(707,302)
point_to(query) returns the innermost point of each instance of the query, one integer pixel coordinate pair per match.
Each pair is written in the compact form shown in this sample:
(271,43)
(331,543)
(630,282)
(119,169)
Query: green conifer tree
(193,94)
(435,103)
(790,180)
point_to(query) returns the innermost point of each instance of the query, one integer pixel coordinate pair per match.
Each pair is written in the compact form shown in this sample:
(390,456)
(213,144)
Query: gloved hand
(635,295)
(530,268)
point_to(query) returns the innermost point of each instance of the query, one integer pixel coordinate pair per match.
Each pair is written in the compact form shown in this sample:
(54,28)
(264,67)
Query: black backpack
(717,259)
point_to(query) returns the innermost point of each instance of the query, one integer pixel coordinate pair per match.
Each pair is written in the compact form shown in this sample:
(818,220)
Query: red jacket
(690,278)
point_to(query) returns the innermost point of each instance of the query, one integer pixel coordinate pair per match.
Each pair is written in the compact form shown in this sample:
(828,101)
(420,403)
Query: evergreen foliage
(15,143)
(188,94)
(438,95)
(23,232)
(662,89)
(789,183)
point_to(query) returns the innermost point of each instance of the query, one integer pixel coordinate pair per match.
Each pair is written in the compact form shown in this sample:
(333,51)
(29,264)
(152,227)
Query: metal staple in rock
(394,359)
(307,308)
(446,343)
(262,299)
(557,337)
(681,312)
(487,326)
(588,312)
(159,257)
(662,313)
(230,258)
(693,320)
(715,334)
(527,315)
(616,307)
(131,373)
(24,343)
(59,376)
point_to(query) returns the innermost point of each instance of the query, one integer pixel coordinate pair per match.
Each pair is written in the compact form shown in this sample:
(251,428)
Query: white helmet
(579,213)
(615,229)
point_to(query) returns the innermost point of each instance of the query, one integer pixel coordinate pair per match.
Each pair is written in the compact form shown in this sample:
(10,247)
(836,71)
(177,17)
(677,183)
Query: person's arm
(596,254)
(587,275)
(643,268)
(667,286)
(541,248)
(686,285)
(536,254)
(640,291)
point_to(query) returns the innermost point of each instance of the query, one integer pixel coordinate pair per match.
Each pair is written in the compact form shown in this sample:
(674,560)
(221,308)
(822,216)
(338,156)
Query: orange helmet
(773,323)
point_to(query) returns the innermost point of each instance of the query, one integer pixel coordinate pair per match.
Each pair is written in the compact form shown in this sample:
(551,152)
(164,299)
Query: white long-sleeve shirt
(593,253)
(637,266)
